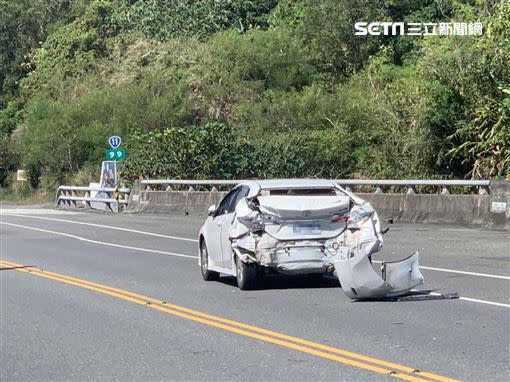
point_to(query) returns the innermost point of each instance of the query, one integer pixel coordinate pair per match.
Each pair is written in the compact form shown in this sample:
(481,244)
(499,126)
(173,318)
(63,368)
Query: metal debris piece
(360,281)
(421,297)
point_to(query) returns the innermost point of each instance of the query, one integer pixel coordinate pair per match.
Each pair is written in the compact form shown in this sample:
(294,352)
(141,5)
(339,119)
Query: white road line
(477,300)
(484,302)
(100,242)
(194,257)
(37,211)
(195,241)
(104,226)
(458,272)
(466,273)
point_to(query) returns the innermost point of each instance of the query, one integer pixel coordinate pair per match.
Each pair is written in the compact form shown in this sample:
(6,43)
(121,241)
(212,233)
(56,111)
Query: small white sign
(498,207)
(21,175)
(136,198)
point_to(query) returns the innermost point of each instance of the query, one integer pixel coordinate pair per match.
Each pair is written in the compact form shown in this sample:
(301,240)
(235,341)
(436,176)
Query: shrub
(217,151)
(8,159)
(238,68)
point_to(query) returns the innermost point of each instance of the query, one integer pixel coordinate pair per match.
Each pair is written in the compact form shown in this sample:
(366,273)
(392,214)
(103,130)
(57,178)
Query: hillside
(261,88)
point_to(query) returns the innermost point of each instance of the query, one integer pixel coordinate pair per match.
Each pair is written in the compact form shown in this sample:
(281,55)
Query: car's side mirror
(211,210)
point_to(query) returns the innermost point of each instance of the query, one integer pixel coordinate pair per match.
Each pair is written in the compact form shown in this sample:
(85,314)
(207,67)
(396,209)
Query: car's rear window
(302,191)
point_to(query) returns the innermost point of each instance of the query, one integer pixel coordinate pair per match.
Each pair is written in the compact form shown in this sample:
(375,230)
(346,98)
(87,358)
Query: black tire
(204,261)
(247,275)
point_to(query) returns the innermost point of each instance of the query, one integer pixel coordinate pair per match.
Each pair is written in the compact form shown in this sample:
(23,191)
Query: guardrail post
(483,190)
(168,188)
(348,189)
(87,195)
(73,194)
(68,194)
(378,190)
(445,191)
(411,190)
(57,197)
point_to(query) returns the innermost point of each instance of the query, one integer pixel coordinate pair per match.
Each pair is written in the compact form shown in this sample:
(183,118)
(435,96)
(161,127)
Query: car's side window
(224,207)
(231,207)
(244,190)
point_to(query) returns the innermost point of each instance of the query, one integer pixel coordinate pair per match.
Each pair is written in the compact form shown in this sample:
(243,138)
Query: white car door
(226,244)
(215,237)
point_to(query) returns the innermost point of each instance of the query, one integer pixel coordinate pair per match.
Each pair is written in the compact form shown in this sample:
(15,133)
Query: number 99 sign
(118,154)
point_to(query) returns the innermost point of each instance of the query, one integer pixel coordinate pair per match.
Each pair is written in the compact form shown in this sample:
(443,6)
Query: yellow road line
(146,299)
(358,360)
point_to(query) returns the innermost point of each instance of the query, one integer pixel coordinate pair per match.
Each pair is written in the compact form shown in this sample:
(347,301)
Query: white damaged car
(300,226)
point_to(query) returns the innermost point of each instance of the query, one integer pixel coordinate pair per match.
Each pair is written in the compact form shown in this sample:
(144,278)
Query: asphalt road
(56,325)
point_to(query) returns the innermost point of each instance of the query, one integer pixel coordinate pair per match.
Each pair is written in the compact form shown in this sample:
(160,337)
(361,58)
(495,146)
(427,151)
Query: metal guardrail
(69,196)
(190,182)
(411,185)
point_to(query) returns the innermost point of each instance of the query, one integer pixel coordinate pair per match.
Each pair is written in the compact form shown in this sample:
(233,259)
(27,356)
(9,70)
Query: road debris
(359,280)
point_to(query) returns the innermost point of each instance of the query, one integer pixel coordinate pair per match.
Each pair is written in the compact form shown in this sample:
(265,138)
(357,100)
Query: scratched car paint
(301,227)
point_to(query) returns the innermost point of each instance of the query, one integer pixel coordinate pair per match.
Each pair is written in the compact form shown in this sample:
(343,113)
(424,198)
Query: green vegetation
(260,88)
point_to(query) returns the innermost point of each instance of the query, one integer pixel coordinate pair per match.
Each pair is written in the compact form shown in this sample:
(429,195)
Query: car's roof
(289,183)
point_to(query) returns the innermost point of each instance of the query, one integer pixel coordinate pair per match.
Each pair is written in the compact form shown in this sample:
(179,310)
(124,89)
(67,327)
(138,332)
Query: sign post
(115,153)
(118,154)
(110,176)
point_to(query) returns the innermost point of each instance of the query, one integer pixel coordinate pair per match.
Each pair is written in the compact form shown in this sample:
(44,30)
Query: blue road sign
(114,141)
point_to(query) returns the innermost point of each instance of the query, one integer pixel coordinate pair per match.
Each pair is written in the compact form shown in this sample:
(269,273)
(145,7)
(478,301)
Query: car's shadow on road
(275,282)
(413,296)
(268,282)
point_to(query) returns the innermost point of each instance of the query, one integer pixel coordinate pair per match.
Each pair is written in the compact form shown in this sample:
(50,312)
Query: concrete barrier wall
(472,210)
(467,210)
(177,202)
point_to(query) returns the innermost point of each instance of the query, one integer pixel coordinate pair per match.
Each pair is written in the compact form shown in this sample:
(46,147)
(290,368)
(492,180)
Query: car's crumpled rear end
(303,234)
(290,234)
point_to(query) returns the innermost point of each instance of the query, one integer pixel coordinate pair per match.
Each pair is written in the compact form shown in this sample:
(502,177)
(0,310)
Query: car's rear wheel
(204,263)
(247,275)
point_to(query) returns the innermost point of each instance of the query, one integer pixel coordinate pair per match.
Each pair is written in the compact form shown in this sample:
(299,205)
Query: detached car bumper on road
(300,227)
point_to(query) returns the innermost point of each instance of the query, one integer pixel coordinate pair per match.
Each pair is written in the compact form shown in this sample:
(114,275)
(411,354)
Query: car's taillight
(339,218)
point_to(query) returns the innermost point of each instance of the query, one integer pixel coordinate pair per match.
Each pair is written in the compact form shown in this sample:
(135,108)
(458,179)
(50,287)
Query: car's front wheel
(204,263)
(247,275)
